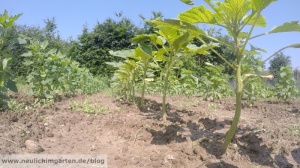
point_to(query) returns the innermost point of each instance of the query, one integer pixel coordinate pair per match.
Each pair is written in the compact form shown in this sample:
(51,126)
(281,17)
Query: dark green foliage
(6,72)
(255,89)
(52,73)
(214,84)
(10,42)
(280,60)
(92,49)
(285,87)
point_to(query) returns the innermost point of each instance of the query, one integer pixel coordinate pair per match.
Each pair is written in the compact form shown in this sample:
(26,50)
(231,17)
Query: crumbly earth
(136,137)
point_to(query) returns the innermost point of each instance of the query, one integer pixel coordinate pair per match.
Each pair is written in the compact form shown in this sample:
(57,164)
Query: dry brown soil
(134,137)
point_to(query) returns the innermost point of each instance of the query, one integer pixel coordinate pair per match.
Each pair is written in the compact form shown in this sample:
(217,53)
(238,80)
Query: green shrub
(285,87)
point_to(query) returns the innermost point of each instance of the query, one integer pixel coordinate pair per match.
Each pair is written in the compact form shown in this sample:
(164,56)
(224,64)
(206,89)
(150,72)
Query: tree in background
(92,49)
(148,27)
(279,60)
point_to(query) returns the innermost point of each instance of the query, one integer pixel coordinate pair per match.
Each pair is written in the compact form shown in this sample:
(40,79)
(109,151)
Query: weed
(14,106)
(212,107)
(88,107)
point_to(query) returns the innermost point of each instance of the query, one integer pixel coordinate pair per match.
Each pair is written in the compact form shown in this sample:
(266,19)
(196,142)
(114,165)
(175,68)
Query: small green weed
(212,107)
(295,130)
(88,107)
(14,106)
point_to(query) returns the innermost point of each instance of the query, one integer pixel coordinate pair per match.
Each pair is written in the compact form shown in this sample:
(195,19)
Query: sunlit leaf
(282,74)
(4,63)
(27,54)
(27,62)
(6,20)
(115,64)
(258,5)
(292,26)
(261,22)
(160,55)
(243,35)
(21,40)
(122,53)
(199,14)
(175,24)
(203,49)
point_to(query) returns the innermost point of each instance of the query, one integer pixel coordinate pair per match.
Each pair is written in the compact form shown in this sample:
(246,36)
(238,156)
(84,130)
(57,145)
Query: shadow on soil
(205,133)
(220,164)
(151,108)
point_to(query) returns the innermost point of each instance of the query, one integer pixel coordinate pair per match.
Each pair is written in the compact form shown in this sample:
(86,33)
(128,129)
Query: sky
(72,15)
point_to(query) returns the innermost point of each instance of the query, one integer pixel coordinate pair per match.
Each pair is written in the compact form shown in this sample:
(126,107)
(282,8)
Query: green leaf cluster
(285,87)
(50,72)
(239,18)
(6,73)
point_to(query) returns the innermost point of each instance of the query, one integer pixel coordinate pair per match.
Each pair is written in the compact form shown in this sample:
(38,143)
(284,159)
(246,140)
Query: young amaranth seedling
(170,43)
(239,18)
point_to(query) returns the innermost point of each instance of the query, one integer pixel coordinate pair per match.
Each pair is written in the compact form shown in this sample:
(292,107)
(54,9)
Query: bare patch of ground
(136,137)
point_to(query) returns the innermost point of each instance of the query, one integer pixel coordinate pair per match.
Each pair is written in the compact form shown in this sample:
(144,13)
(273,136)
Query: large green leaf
(169,33)
(199,14)
(146,49)
(160,55)
(181,41)
(260,22)
(145,37)
(11,85)
(234,10)
(144,52)
(292,26)
(259,5)
(203,49)
(179,25)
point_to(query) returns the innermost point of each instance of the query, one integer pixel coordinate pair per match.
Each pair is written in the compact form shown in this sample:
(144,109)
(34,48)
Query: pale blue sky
(71,15)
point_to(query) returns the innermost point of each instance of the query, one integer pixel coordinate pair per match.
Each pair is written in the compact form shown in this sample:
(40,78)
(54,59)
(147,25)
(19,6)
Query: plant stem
(144,86)
(238,107)
(133,87)
(165,89)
